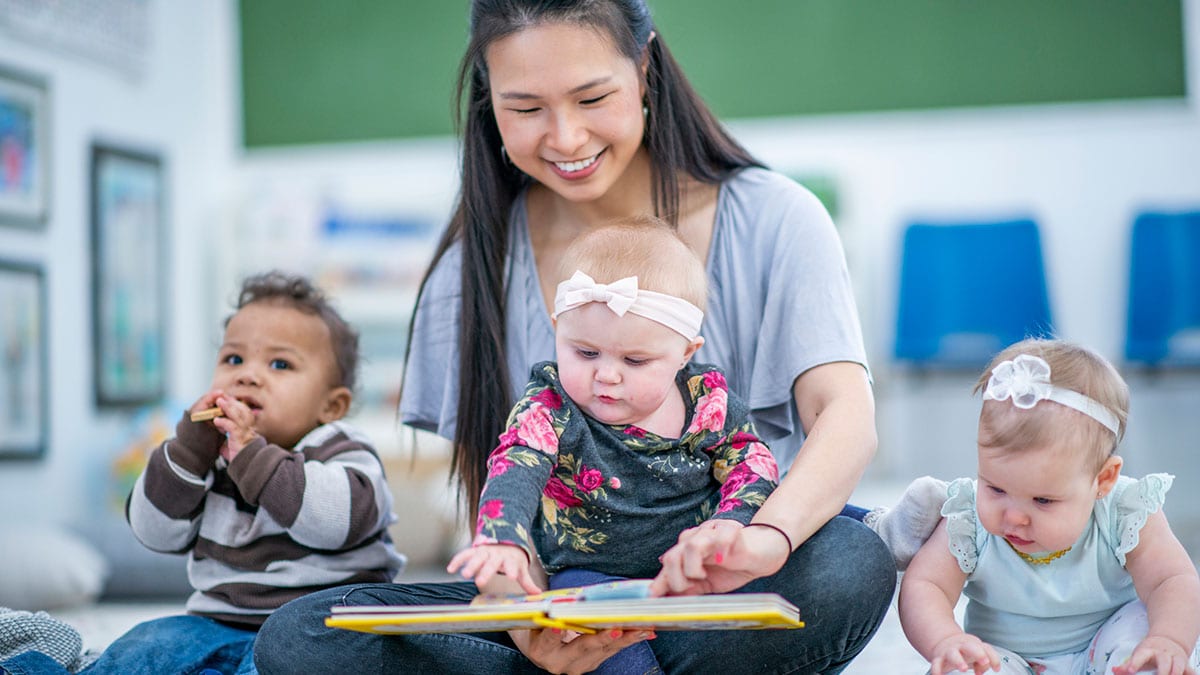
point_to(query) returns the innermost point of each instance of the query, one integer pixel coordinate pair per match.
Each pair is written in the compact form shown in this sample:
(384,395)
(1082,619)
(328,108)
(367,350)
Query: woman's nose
(568,134)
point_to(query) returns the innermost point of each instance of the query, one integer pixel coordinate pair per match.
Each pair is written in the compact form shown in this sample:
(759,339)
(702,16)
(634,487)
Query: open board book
(586,609)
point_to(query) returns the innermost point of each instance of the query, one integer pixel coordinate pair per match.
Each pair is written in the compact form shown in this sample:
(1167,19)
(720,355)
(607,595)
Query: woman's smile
(580,169)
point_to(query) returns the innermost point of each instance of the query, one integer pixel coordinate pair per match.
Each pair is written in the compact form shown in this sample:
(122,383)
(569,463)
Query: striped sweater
(271,525)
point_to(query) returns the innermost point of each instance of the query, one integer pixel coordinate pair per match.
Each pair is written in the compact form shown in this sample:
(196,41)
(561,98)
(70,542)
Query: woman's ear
(1107,478)
(645,64)
(337,404)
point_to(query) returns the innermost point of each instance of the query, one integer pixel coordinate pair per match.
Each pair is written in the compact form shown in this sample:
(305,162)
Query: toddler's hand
(237,423)
(483,561)
(1164,654)
(963,652)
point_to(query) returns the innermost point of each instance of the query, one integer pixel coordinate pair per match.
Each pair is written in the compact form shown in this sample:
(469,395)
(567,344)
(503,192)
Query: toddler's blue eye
(233,360)
(1043,501)
(280,364)
(587,353)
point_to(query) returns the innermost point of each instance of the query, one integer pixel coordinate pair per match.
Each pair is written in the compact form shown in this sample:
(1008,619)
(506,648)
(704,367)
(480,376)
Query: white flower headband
(1026,380)
(623,296)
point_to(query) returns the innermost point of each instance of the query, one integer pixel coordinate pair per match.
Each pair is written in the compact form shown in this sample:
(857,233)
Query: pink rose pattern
(536,429)
(710,411)
(752,476)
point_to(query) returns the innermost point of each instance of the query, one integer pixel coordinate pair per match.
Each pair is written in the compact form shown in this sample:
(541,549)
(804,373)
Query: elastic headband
(1026,380)
(623,296)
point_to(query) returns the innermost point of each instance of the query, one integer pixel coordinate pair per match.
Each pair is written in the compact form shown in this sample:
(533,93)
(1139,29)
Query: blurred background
(987,164)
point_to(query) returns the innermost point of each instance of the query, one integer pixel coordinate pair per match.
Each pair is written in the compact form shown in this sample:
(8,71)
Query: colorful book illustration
(586,609)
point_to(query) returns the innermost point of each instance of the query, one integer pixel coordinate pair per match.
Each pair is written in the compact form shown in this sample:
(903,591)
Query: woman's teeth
(576,166)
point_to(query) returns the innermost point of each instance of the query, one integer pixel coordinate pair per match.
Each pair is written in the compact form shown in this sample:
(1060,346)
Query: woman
(575,114)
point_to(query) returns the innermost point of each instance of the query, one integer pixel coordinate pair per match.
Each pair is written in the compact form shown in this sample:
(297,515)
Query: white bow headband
(623,296)
(1026,380)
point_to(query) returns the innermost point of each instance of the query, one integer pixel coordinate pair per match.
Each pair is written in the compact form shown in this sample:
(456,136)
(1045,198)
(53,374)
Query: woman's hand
(560,651)
(719,556)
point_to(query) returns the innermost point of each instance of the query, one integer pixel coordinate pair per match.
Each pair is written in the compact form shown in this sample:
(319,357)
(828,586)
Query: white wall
(178,107)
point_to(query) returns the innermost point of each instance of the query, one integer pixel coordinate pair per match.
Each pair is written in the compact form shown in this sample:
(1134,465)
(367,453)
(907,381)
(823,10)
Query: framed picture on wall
(23,381)
(24,149)
(129,276)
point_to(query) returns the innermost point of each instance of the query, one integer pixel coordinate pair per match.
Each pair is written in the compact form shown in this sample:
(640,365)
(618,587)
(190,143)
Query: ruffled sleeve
(959,511)
(1132,503)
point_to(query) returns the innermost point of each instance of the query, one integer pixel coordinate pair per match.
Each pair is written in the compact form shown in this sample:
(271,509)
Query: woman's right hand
(560,651)
(719,556)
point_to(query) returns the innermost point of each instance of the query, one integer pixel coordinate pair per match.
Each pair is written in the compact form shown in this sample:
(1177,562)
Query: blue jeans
(173,644)
(842,579)
(637,658)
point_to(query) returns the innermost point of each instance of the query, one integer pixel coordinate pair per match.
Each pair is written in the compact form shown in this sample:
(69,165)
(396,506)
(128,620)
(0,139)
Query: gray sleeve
(781,300)
(430,397)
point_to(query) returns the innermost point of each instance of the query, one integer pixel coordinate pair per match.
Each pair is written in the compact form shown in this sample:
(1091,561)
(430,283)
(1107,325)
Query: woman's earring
(645,111)
(504,156)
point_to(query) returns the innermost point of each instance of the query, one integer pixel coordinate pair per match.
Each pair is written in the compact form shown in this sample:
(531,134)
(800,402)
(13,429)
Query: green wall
(315,71)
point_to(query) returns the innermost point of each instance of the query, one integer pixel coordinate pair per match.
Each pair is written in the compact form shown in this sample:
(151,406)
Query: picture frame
(24,142)
(129,280)
(23,371)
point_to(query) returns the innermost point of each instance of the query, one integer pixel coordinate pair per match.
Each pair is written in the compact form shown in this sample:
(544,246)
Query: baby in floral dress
(1068,566)
(623,443)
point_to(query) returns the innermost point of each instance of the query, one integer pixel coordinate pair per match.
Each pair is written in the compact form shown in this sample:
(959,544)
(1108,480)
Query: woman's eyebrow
(521,96)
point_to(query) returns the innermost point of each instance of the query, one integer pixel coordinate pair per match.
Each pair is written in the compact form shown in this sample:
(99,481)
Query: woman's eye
(232,360)
(524,111)
(591,101)
(280,364)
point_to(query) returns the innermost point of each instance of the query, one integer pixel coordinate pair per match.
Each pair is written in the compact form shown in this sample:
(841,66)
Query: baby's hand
(1167,656)
(963,652)
(237,423)
(481,562)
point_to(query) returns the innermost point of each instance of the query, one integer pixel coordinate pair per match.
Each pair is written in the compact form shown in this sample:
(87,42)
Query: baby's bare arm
(928,593)
(1167,582)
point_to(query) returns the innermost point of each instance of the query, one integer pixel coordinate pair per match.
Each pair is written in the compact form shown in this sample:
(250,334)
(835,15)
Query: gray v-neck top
(780,302)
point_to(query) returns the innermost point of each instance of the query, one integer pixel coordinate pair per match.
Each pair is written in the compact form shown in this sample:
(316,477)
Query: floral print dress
(613,498)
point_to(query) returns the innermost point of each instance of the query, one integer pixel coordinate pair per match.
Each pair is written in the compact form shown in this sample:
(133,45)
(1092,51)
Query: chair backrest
(1163,326)
(969,290)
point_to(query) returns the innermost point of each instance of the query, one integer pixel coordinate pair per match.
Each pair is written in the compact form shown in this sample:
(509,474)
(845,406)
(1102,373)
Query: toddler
(272,499)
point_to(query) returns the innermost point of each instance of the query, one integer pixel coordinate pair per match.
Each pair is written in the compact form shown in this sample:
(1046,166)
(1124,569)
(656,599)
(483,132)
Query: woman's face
(569,107)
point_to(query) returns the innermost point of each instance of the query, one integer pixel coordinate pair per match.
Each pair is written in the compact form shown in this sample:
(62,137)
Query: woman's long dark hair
(693,143)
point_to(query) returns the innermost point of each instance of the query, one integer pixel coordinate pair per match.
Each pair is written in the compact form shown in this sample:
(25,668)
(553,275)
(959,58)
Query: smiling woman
(575,115)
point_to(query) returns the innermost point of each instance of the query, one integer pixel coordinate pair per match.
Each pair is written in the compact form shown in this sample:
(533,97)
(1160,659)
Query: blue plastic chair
(1164,290)
(969,290)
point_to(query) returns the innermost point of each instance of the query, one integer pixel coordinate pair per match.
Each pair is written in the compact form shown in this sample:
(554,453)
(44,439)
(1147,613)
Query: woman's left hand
(719,556)
(560,651)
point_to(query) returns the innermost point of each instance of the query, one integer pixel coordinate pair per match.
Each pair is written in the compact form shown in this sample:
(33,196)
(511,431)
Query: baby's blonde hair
(640,246)
(1073,367)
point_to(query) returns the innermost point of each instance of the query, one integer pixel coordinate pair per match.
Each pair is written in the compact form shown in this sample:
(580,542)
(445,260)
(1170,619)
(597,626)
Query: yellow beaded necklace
(1035,560)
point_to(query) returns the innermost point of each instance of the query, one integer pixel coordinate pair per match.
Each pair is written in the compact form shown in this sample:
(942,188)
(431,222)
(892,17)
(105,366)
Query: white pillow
(48,567)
